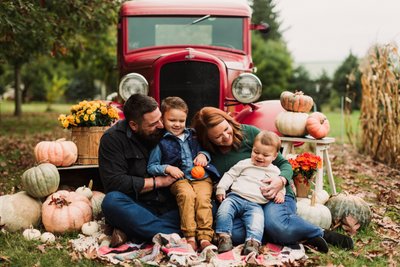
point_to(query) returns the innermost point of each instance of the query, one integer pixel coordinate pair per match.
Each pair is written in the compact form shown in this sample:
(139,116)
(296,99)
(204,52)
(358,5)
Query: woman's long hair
(209,117)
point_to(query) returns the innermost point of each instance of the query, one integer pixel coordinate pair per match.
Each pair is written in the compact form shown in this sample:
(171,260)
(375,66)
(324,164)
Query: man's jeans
(250,213)
(135,220)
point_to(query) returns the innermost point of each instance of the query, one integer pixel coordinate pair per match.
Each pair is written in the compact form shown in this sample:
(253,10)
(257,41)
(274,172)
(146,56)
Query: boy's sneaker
(224,244)
(338,240)
(318,243)
(251,246)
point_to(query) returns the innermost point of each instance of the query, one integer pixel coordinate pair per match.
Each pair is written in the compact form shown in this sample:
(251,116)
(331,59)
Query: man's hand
(200,160)
(174,172)
(164,181)
(272,186)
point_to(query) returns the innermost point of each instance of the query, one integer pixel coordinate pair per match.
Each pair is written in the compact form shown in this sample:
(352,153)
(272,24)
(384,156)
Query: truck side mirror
(262,27)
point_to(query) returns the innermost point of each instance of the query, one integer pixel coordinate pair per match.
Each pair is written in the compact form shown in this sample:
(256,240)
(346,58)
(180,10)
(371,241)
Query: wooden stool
(321,149)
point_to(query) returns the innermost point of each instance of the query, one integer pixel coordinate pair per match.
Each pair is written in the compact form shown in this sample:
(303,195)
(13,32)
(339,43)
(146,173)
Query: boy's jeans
(249,212)
(194,202)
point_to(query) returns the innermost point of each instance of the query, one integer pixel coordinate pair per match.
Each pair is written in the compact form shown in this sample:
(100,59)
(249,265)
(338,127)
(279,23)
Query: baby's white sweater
(244,179)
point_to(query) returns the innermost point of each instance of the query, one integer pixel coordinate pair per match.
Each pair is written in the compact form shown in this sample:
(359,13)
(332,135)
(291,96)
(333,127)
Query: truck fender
(261,114)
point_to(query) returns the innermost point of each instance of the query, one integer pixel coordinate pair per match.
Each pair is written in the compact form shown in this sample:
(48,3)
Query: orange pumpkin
(65,211)
(317,125)
(59,152)
(198,172)
(296,102)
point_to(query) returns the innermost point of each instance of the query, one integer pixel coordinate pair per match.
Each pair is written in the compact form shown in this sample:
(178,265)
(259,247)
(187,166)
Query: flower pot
(303,185)
(87,139)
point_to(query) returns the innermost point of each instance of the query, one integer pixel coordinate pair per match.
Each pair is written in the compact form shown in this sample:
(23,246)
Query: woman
(229,142)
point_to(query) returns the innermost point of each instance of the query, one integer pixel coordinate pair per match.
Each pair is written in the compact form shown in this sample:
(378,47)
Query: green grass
(338,126)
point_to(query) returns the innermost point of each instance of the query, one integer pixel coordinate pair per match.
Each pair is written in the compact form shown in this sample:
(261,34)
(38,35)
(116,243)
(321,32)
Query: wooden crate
(87,139)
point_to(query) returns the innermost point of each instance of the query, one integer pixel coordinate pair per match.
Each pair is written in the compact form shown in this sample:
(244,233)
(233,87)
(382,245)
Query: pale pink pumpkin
(65,211)
(317,125)
(59,152)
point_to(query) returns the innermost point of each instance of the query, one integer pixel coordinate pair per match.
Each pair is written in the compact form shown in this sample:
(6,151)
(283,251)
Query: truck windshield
(195,30)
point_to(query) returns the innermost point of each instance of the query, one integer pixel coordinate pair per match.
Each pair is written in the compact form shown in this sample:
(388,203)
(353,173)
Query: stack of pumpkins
(62,211)
(296,121)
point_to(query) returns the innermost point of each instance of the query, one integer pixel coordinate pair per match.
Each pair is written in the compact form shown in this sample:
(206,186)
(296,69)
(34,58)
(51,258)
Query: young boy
(176,154)
(245,199)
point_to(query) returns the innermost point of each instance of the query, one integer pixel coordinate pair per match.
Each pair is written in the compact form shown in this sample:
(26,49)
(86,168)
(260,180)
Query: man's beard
(151,139)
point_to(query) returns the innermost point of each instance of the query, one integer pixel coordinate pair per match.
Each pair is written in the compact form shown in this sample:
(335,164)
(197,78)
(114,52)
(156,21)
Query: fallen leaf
(4,258)
(90,253)
(350,225)
(42,248)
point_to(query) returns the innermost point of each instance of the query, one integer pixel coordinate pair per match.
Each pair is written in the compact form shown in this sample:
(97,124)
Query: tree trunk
(18,93)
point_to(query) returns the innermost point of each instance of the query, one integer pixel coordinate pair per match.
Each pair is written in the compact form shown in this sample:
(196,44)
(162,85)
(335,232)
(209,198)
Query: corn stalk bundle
(380,104)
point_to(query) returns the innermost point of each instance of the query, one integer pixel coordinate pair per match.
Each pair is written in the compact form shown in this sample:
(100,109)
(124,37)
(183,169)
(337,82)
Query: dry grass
(380,109)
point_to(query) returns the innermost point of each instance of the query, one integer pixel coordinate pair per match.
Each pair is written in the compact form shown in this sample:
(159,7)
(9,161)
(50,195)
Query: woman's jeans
(250,213)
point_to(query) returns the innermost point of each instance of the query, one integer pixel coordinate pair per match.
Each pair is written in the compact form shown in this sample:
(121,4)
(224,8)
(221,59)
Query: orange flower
(306,164)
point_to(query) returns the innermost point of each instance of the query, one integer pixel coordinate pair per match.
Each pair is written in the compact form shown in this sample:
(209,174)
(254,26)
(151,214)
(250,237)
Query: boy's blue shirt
(155,167)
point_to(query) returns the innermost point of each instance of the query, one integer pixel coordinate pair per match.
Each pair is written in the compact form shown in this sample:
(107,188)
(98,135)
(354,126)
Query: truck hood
(145,58)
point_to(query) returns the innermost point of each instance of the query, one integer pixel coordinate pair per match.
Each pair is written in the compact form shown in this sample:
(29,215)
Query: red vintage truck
(199,50)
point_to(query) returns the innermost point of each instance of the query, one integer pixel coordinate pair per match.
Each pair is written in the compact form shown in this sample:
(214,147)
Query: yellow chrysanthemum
(65,124)
(92,117)
(86,117)
(103,110)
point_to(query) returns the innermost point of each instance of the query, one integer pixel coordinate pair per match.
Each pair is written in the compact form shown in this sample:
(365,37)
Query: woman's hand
(272,186)
(220,197)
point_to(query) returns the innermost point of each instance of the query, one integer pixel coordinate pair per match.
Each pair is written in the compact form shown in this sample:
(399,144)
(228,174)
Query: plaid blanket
(172,250)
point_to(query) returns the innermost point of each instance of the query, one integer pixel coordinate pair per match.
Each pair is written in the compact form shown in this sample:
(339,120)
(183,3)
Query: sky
(328,30)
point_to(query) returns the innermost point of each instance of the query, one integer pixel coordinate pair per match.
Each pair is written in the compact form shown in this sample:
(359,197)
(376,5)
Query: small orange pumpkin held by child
(198,172)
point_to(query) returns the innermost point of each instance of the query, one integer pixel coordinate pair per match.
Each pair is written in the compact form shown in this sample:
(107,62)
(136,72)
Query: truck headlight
(246,88)
(133,83)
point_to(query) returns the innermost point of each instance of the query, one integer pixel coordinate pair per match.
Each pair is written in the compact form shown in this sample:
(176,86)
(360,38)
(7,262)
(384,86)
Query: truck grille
(195,82)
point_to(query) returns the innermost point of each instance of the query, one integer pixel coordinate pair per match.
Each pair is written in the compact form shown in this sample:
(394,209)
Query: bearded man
(138,205)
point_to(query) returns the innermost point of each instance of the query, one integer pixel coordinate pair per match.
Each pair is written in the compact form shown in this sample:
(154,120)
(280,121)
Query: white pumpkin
(19,211)
(31,234)
(322,197)
(90,228)
(84,191)
(314,213)
(47,237)
(96,200)
(291,123)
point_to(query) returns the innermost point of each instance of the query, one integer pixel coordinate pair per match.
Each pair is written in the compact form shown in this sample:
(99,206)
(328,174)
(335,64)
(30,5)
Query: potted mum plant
(304,166)
(88,120)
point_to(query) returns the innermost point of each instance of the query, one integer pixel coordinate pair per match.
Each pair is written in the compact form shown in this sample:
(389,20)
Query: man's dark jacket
(123,161)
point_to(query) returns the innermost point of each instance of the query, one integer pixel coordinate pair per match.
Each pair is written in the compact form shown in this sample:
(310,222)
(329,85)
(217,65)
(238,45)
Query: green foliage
(323,90)
(347,80)
(55,90)
(274,65)
(56,28)
(264,11)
